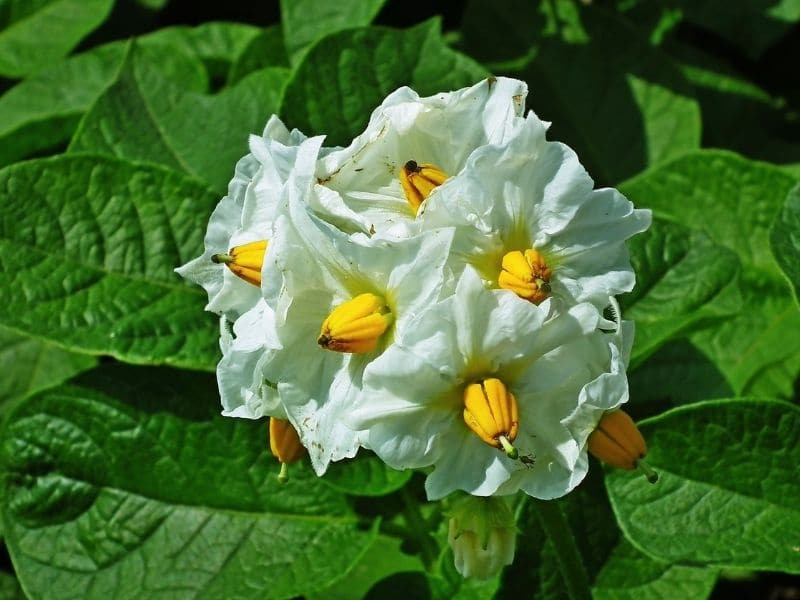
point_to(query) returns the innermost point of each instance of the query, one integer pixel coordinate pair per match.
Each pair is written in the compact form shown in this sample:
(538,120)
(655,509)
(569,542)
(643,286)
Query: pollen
(419,180)
(618,442)
(284,443)
(527,274)
(491,412)
(356,325)
(245,261)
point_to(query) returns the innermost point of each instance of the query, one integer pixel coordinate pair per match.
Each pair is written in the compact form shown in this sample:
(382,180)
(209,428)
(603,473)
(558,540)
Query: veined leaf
(785,240)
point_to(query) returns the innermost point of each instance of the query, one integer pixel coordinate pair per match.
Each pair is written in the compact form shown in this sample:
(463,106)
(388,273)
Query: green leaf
(128,480)
(143,116)
(684,280)
(263,50)
(30,365)
(785,240)
(38,33)
(305,21)
(9,587)
(734,201)
(617,100)
(345,76)
(365,475)
(88,245)
(728,487)
(631,575)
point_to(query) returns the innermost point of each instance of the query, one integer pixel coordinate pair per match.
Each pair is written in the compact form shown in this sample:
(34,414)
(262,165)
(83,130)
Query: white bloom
(361,187)
(247,213)
(322,269)
(559,374)
(482,534)
(532,198)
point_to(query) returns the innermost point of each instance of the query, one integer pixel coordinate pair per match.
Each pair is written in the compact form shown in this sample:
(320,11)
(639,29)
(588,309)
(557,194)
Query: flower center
(284,444)
(618,442)
(419,180)
(526,274)
(356,325)
(245,261)
(491,412)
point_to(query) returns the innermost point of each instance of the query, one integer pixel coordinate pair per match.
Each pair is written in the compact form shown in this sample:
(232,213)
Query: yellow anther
(526,274)
(284,444)
(491,412)
(419,180)
(618,442)
(356,325)
(245,261)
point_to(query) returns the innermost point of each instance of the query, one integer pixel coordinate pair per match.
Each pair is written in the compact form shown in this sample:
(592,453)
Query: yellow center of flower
(526,274)
(491,412)
(618,442)
(419,180)
(356,325)
(245,261)
(284,444)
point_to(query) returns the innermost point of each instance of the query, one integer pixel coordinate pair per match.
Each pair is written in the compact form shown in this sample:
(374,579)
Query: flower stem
(558,530)
(429,550)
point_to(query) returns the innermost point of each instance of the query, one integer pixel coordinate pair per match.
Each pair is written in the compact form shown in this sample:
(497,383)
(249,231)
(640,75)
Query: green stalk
(415,520)
(570,563)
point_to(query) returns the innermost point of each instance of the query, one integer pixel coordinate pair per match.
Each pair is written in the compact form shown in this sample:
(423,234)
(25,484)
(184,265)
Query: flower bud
(419,180)
(491,412)
(245,261)
(618,442)
(482,535)
(356,325)
(284,444)
(526,274)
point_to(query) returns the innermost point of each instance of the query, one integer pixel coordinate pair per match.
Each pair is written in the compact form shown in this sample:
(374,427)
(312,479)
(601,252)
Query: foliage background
(120,123)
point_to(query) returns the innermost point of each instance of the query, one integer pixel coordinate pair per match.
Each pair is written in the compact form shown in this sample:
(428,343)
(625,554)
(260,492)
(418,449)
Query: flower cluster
(440,292)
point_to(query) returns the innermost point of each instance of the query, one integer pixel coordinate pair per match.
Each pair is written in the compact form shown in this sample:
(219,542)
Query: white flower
(343,301)
(361,184)
(246,215)
(482,534)
(528,221)
(556,375)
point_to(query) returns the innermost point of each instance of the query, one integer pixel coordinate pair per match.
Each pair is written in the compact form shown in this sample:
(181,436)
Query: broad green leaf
(345,76)
(728,486)
(38,33)
(676,374)
(9,587)
(264,50)
(88,247)
(617,100)
(753,26)
(30,365)
(734,201)
(129,482)
(785,240)
(683,281)
(631,575)
(143,116)
(365,475)
(305,21)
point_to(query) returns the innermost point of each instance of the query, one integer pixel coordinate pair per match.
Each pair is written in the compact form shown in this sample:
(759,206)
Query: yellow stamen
(285,445)
(245,261)
(526,274)
(618,442)
(491,412)
(419,180)
(356,325)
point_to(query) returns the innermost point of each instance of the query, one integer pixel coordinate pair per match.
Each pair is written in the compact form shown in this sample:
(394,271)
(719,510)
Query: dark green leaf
(785,240)
(35,34)
(128,483)
(683,281)
(305,21)
(143,116)
(91,268)
(728,487)
(9,587)
(620,102)
(264,50)
(345,76)
(734,201)
(365,475)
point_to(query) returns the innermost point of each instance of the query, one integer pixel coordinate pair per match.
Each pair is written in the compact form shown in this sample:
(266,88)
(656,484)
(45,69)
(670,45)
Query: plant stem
(558,530)
(429,549)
